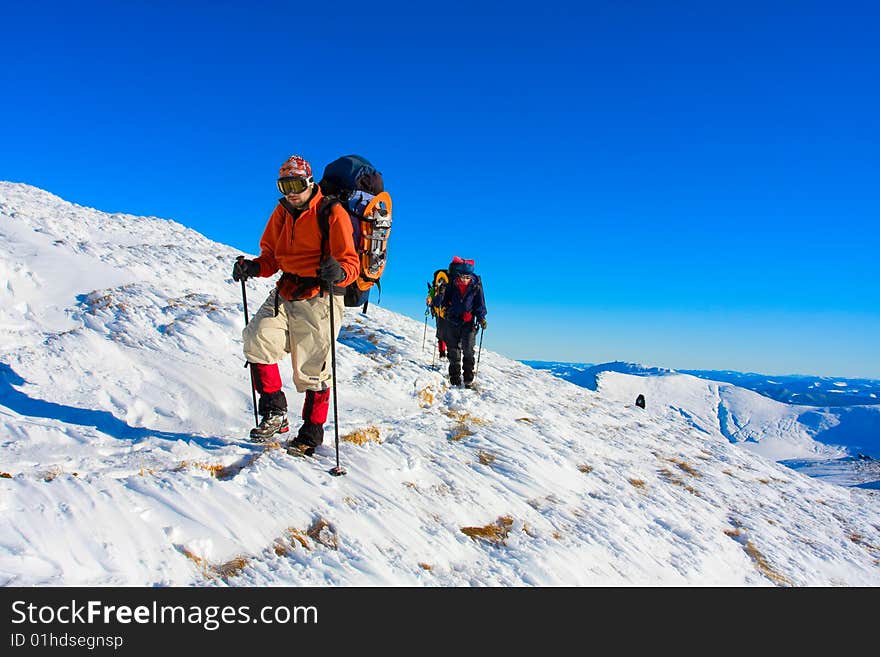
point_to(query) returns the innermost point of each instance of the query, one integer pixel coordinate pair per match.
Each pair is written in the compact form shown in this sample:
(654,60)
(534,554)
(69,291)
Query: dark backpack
(355,184)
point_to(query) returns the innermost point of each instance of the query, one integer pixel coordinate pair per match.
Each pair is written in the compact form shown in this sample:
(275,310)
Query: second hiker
(441,278)
(464,308)
(295,318)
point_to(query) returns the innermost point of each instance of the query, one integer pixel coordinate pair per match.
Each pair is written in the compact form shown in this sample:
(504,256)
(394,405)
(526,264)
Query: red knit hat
(296,166)
(461,266)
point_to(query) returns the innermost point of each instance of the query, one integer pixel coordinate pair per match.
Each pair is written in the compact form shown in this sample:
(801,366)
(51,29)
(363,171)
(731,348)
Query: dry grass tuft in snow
(759,560)
(230,568)
(763,565)
(222,571)
(283,546)
(460,431)
(495,533)
(858,539)
(426,396)
(324,533)
(463,416)
(682,465)
(213,469)
(486,458)
(670,476)
(321,532)
(363,436)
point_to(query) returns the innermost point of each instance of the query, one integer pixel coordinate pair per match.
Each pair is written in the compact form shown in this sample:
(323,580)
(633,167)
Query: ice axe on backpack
(246,364)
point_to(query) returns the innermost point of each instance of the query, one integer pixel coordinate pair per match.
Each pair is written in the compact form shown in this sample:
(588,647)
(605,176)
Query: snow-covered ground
(124,411)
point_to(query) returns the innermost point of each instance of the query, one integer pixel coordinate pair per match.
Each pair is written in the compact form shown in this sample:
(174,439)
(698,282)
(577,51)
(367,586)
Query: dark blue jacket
(456,305)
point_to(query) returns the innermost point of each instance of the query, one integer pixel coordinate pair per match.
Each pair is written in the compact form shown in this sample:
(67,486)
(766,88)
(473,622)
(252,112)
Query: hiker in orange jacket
(295,318)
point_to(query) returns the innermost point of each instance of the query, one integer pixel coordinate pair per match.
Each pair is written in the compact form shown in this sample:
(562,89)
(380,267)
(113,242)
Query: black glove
(330,272)
(484,323)
(245,269)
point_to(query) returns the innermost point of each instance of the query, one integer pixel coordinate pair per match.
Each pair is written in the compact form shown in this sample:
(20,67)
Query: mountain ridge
(796,434)
(800,389)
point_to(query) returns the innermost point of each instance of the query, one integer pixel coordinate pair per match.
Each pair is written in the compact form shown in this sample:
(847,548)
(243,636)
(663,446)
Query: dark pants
(460,340)
(441,341)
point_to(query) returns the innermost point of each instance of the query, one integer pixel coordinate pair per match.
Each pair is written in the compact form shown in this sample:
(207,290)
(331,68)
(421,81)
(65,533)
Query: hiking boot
(469,384)
(296,447)
(455,382)
(311,434)
(270,425)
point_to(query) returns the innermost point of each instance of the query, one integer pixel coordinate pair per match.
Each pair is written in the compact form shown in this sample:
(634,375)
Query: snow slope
(124,408)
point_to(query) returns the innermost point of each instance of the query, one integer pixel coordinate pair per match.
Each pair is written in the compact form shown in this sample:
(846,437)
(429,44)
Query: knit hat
(296,166)
(461,266)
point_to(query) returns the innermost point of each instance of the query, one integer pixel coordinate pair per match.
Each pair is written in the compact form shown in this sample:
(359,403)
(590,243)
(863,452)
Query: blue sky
(684,185)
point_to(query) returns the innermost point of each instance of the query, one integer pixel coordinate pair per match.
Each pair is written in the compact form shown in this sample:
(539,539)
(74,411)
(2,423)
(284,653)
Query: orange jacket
(295,247)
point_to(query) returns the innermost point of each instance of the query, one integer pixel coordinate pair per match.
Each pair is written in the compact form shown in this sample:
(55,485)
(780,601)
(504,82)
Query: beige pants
(302,329)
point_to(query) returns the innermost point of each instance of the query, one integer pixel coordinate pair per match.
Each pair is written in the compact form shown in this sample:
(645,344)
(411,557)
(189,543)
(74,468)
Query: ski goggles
(294,185)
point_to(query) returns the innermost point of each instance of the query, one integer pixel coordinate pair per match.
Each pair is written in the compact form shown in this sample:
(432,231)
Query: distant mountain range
(836,437)
(790,389)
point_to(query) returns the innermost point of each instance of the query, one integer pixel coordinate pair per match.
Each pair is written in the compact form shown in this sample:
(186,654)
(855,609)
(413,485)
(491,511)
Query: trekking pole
(246,364)
(480,352)
(338,470)
(428,311)
(425,332)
